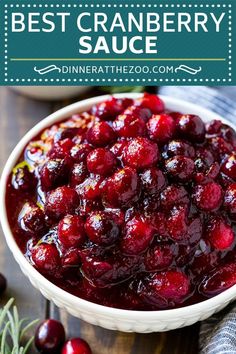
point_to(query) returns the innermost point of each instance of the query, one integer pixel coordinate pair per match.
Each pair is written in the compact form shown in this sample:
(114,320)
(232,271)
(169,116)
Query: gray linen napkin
(218,333)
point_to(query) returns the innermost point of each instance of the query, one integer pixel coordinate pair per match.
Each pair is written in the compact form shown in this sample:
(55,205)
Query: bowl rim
(32,273)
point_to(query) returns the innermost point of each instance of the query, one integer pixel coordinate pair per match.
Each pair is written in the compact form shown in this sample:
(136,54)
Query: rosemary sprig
(13,330)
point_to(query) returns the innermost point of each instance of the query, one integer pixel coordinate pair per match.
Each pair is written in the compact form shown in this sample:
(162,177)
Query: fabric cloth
(218,333)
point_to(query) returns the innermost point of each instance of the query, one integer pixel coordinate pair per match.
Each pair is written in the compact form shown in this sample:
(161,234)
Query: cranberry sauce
(129,205)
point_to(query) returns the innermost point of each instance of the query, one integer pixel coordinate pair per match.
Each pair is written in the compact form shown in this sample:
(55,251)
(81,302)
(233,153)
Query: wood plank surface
(17,115)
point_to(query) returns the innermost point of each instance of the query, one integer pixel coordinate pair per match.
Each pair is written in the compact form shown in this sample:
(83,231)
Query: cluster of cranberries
(130,205)
(50,339)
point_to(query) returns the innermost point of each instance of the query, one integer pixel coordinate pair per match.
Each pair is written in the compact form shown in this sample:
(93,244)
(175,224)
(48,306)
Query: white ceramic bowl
(111,318)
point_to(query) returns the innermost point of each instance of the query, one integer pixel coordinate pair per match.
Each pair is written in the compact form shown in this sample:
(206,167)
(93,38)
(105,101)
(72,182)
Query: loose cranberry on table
(129,205)
(76,346)
(49,337)
(3,283)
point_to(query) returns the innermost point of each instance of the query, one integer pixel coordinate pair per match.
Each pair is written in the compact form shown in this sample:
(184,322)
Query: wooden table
(17,115)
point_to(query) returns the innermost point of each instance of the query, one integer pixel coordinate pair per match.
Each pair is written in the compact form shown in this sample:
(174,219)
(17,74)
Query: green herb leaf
(13,330)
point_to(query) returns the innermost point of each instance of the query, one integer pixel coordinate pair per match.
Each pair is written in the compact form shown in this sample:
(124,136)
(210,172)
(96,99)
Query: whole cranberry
(220,233)
(220,279)
(101,161)
(60,149)
(220,147)
(3,284)
(191,127)
(53,174)
(101,134)
(230,200)
(23,179)
(204,159)
(213,127)
(172,285)
(138,235)
(152,102)
(101,229)
(176,224)
(60,202)
(31,218)
(71,258)
(159,222)
(109,109)
(90,189)
(174,195)
(143,113)
(78,173)
(158,258)
(76,346)
(79,152)
(180,168)
(118,148)
(49,337)
(71,231)
(140,153)
(46,257)
(229,167)
(64,133)
(208,197)
(126,126)
(152,181)
(122,188)
(161,128)
(179,147)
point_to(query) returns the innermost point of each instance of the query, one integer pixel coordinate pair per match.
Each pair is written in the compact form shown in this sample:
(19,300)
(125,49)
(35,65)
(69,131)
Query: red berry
(172,285)
(46,257)
(90,189)
(213,127)
(79,152)
(71,231)
(101,134)
(78,174)
(161,128)
(220,233)
(191,127)
(143,113)
(208,197)
(61,149)
(180,168)
(3,284)
(53,174)
(118,148)
(230,200)
(219,280)
(179,147)
(76,346)
(158,258)
(129,126)
(101,229)
(176,224)
(122,188)
(174,195)
(60,202)
(152,102)
(31,218)
(137,237)
(49,337)
(109,109)
(101,161)
(153,181)
(229,167)
(140,153)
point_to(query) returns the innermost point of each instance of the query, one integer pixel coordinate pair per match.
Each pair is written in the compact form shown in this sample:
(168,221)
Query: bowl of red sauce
(122,209)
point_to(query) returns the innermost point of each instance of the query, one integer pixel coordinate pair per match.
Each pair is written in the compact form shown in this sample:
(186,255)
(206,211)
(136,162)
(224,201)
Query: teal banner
(117,43)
